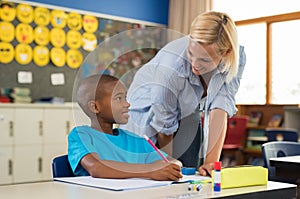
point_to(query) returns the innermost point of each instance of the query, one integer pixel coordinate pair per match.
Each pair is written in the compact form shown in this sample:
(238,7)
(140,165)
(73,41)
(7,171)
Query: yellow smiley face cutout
(58,18)
(7,31)
(25,13)
(41,55)
(89,41)
(23,54)
(41,35)
(90,23)
(57,37)
(58,56)
(41,16)
(74,58)
(7,52)
(7,11)
(24,33)
(74,21)
(74,39)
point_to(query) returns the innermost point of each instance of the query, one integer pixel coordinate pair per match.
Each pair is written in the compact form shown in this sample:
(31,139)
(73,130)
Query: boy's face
(115,105)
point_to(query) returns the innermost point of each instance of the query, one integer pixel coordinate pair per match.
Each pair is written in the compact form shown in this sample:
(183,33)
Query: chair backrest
(278,149)
(236,129)
(61,167)
(286,135)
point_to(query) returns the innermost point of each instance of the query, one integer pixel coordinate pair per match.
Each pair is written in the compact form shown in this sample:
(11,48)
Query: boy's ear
(93,107)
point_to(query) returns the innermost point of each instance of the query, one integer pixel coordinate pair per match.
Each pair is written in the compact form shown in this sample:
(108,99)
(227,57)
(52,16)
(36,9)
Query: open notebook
(125,184)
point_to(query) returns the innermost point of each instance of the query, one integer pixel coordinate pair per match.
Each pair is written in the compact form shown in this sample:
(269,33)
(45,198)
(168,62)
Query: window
(252,37)
(268,30)
(285,62)
(249,9)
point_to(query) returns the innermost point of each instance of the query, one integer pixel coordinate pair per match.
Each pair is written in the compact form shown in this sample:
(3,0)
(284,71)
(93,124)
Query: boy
(104,152)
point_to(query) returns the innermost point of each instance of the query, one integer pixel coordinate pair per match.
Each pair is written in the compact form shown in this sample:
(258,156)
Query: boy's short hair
(88,89)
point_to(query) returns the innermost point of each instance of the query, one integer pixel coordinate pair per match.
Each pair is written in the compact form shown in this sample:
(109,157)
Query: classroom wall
(155,11)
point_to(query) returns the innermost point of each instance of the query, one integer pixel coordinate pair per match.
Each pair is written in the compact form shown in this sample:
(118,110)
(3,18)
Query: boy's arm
(158,170)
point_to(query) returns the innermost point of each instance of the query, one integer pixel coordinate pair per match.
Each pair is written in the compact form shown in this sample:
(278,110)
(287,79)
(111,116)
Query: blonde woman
(198,72)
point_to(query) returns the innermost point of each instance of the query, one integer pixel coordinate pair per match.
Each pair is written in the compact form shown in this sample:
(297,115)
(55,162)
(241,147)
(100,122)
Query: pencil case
(242,176)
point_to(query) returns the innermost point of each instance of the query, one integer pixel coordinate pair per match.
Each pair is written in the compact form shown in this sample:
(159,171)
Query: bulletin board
(53,77)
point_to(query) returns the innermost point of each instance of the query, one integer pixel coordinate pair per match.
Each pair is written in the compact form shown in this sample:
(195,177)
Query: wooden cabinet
(6,145)
(27,163)
(292,117)
(255,135)
(6,126)
(31,135)
(6,173)
(28,126)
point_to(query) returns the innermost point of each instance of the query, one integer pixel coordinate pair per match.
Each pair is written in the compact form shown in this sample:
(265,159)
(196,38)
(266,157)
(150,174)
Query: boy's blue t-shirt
(123,146)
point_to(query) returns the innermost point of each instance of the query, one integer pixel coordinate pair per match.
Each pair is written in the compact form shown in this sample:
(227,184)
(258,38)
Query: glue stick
(217,176)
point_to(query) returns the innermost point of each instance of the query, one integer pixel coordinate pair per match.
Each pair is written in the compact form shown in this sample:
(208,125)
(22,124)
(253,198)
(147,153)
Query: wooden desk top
(60,190)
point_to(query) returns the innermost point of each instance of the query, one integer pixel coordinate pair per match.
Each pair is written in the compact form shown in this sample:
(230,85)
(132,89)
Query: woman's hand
(206,169)
(165,171)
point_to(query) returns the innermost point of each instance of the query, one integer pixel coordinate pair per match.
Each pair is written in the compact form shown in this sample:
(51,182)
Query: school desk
(61,190)
(288,167)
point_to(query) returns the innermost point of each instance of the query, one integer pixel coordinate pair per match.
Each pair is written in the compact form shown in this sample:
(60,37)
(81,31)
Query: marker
(200,181)
(198,187)
(191,187)
(217,176)
(194,187)
(196,182)
(155,148)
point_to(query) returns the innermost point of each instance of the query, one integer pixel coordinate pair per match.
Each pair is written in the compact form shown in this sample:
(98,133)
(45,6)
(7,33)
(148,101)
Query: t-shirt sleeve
(152,155)
(79,145)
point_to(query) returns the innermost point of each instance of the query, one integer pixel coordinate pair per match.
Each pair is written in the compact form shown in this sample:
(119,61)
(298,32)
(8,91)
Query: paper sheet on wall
(124,184)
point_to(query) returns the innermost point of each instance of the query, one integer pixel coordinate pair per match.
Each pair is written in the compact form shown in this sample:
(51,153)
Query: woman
(202,70)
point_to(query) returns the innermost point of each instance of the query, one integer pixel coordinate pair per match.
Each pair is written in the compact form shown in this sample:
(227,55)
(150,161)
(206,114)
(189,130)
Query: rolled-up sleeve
(225,99)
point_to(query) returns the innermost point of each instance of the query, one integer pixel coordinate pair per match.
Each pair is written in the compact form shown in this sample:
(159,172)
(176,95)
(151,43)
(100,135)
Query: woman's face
(203,58)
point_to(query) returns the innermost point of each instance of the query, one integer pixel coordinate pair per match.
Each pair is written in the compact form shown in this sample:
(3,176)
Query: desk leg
(298,188)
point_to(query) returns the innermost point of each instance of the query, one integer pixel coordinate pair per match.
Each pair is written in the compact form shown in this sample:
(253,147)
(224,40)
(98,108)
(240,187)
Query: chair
(279,149)
(233,143)
(282,134)
(61,167)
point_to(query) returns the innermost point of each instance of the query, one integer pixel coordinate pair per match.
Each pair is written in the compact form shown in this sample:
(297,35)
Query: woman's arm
(165,143)
(158,170)
(217,132)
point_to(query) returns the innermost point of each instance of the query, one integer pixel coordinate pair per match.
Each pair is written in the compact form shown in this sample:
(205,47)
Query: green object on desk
(200,181)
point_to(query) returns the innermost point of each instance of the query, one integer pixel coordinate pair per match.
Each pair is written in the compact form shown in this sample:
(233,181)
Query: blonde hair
(218,29)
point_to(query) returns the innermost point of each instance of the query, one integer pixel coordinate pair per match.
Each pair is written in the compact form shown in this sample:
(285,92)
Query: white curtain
(183,12)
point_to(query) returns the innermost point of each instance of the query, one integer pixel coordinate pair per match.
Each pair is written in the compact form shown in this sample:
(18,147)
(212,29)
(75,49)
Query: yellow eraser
(242,176)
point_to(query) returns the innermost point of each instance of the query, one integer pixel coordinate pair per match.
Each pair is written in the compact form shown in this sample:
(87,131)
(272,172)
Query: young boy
(104,152)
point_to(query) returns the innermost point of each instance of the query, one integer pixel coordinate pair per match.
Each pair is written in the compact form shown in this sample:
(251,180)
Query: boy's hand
(165,171)
(176,162)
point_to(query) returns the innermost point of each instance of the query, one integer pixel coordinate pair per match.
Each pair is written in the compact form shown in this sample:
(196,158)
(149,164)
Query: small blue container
(188,170)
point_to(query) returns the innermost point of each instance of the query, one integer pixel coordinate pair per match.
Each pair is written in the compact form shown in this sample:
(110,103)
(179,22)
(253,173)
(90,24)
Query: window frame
(269,20)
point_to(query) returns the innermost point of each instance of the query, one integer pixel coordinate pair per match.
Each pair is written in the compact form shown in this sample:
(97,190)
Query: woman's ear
(228,51)
(93,106)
